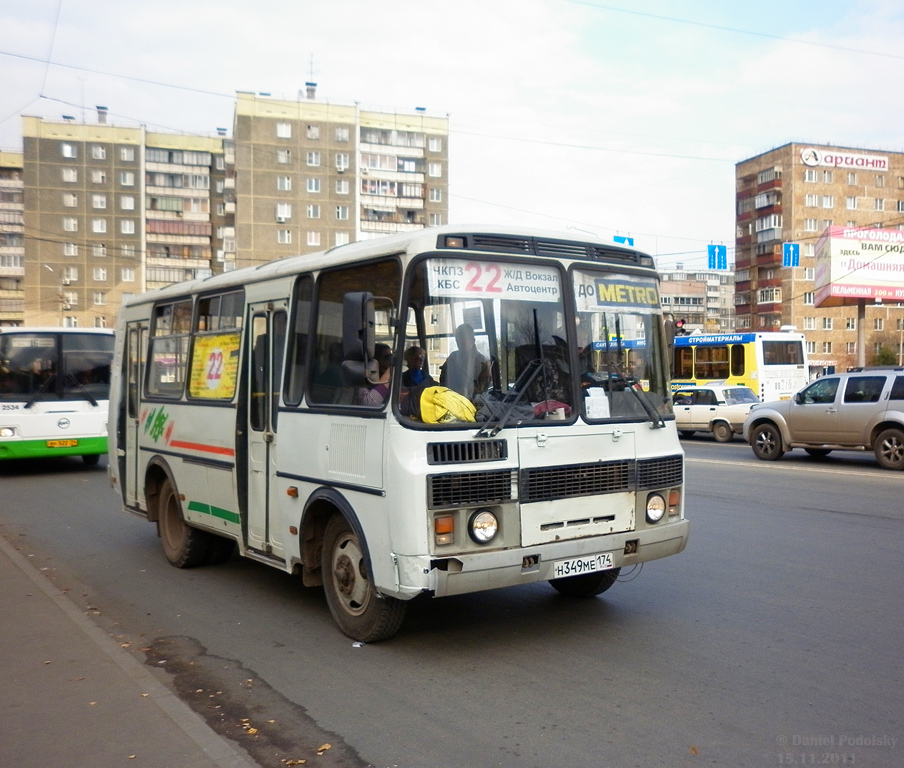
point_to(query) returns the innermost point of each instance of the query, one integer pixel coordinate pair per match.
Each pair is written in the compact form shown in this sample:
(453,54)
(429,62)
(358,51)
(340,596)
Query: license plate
(578,565)
(62,443)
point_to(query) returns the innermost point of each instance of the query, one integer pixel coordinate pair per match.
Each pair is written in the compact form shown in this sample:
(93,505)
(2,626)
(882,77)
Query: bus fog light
(655,508)
(483,526)
(7,431)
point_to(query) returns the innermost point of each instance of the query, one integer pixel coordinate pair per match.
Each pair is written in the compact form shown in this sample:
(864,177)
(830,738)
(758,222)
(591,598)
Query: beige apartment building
(12,238)
(791,195)
(310,175)
(703,298)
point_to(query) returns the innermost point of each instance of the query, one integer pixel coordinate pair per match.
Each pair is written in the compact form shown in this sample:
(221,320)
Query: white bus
(268,408)
(54,387)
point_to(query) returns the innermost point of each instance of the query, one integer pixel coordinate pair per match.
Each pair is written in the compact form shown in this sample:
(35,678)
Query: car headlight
(483,526)
(7,431)
(655,508)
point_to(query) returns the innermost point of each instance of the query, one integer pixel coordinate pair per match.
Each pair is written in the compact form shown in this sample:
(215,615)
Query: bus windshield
(497,333)
(47,365)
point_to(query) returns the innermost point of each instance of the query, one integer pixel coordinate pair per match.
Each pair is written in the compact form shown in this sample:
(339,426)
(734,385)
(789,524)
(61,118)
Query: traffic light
(680,327)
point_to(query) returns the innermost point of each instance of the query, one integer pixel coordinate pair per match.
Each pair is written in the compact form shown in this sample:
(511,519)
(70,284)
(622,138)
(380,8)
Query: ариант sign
(859,263)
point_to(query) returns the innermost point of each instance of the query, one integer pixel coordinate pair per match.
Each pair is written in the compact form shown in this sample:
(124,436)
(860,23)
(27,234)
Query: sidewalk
(69,695)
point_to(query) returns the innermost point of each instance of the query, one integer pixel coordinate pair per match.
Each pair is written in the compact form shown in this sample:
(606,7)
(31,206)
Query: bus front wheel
(587,585)
(361,612)
(184,546)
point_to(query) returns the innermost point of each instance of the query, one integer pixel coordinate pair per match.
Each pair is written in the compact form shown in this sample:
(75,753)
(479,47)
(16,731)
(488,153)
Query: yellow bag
(439,405)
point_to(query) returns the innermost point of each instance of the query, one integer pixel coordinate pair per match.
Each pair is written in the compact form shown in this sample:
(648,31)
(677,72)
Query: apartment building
(704,299)
(12,238)
(310,175)
(792,194)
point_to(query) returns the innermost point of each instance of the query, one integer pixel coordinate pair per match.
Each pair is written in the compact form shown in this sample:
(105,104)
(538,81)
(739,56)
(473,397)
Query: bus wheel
(91,459)
(722,433)
(889,449)
(361,612)
(687,433)
(184,546)
(587,585)
(766,442)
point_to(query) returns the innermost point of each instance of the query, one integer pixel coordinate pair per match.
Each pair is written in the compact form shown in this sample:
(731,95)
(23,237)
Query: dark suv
(858,410)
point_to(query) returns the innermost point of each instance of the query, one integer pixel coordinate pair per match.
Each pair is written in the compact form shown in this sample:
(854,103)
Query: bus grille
(466,488)
(660,472)
(470,451)
(546,483)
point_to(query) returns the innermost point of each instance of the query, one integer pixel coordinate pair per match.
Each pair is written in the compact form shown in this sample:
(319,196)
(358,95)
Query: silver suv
(858,410)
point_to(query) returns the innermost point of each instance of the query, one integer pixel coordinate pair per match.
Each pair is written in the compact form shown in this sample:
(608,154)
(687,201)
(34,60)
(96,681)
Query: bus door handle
(267,436)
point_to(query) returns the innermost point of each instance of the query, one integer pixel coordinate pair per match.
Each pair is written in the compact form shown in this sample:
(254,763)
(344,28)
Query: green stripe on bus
(38,449)
(209,509)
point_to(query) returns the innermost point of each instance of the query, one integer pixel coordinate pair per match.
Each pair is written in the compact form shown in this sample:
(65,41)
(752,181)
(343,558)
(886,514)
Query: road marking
(786,466)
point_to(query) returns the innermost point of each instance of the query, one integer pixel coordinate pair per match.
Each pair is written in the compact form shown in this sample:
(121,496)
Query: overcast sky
(616,117)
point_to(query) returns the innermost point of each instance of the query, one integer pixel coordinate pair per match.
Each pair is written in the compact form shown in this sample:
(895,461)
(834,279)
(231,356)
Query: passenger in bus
(415,375)
(375,394)
(466,370)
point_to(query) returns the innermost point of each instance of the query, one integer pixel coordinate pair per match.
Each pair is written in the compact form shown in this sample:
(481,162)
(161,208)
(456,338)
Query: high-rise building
(791,195)
(311,175)
(12,239)
(703,298)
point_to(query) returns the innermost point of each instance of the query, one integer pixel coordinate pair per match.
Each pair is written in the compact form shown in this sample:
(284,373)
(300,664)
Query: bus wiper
(492,427)
(41,390)
(70,378)
(631,383)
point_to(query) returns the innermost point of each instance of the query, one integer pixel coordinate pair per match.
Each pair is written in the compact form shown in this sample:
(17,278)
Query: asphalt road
(773,640)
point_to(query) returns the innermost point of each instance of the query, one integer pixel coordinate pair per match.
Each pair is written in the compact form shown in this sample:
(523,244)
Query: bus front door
(136,341)
(268,335)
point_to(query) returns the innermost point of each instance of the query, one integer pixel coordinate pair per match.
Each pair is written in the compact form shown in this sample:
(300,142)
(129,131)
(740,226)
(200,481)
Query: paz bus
(54,388)
(772,363)
(267,410)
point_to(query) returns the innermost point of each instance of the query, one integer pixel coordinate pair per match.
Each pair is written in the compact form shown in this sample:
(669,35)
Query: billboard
(855,263)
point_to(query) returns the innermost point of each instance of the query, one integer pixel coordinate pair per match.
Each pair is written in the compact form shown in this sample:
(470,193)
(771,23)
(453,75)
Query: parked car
(858,410)
(716,408)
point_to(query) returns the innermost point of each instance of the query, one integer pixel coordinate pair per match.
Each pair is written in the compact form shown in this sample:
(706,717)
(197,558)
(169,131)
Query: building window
(850,324)
(284,236)
(341,186)
(341,238)
(126,251)
(852,178)
(127,226)
(99,250)
(436,219)
(826,223)
(900,206)
(827,323)
(851,203)
(313,185)
(313,238)
(809,273)
(313,211)
(880,204)
(828,177)
(284,130)
(769,295)
(435,170)
(70,249)
(70,321)
(98,152)
(127,203)
(128,275)
(127,179)
(70,175)
(810,175)
(70,224)
(70,275)
(342,161)
(436,195)
(808,298)
(100,274)
(100,322)
(283,211)
(828,201)
(827,347)
(811,200)
(809,323)
(100,298)
(809,225)
(283,156)
(99,177)
(342,133)
(284,183)
(811,347)
(880,181)
(435,144)
(70,201)
(98,201)
(879,324)
(69,150)
(127,154)
(342,212)
(313,132)
(99,225)
(313,159)
(851,347)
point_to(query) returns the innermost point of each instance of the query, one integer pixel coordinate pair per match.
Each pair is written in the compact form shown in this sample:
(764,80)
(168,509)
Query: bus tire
(766,441)
(220,550)
(722,432)
(183,546)
(687,433)
(361,612)
(587,585)
(889,449)
(91,459)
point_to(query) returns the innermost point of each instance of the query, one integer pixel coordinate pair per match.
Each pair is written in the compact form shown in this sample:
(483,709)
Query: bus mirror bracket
(358,365)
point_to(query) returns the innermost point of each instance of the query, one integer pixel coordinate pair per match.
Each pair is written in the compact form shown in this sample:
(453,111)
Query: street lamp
(60,292)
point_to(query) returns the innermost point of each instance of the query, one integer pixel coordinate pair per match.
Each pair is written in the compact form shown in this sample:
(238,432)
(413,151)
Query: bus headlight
(7,431)
(655,508)
(483,526)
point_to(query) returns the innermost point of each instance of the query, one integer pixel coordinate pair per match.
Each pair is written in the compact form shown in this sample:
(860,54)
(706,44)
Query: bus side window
(684,363)
(298,346)
(737,360)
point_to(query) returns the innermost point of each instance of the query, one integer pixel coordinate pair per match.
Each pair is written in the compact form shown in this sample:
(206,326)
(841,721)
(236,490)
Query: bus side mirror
(358,365)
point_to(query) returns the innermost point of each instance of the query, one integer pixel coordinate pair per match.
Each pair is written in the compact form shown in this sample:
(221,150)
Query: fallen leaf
(695,750)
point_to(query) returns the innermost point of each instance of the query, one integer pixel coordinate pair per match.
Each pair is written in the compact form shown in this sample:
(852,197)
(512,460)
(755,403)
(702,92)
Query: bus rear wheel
(358,608)
(587,585)
(91,459)
(184,546)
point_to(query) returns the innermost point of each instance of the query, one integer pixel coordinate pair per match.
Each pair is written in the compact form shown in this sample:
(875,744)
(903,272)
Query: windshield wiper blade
(81,387)
(644,399)
(41,390)
(492,427)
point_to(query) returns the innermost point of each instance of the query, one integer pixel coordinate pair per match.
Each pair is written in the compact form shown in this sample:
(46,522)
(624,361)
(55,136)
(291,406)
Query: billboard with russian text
(855,263)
